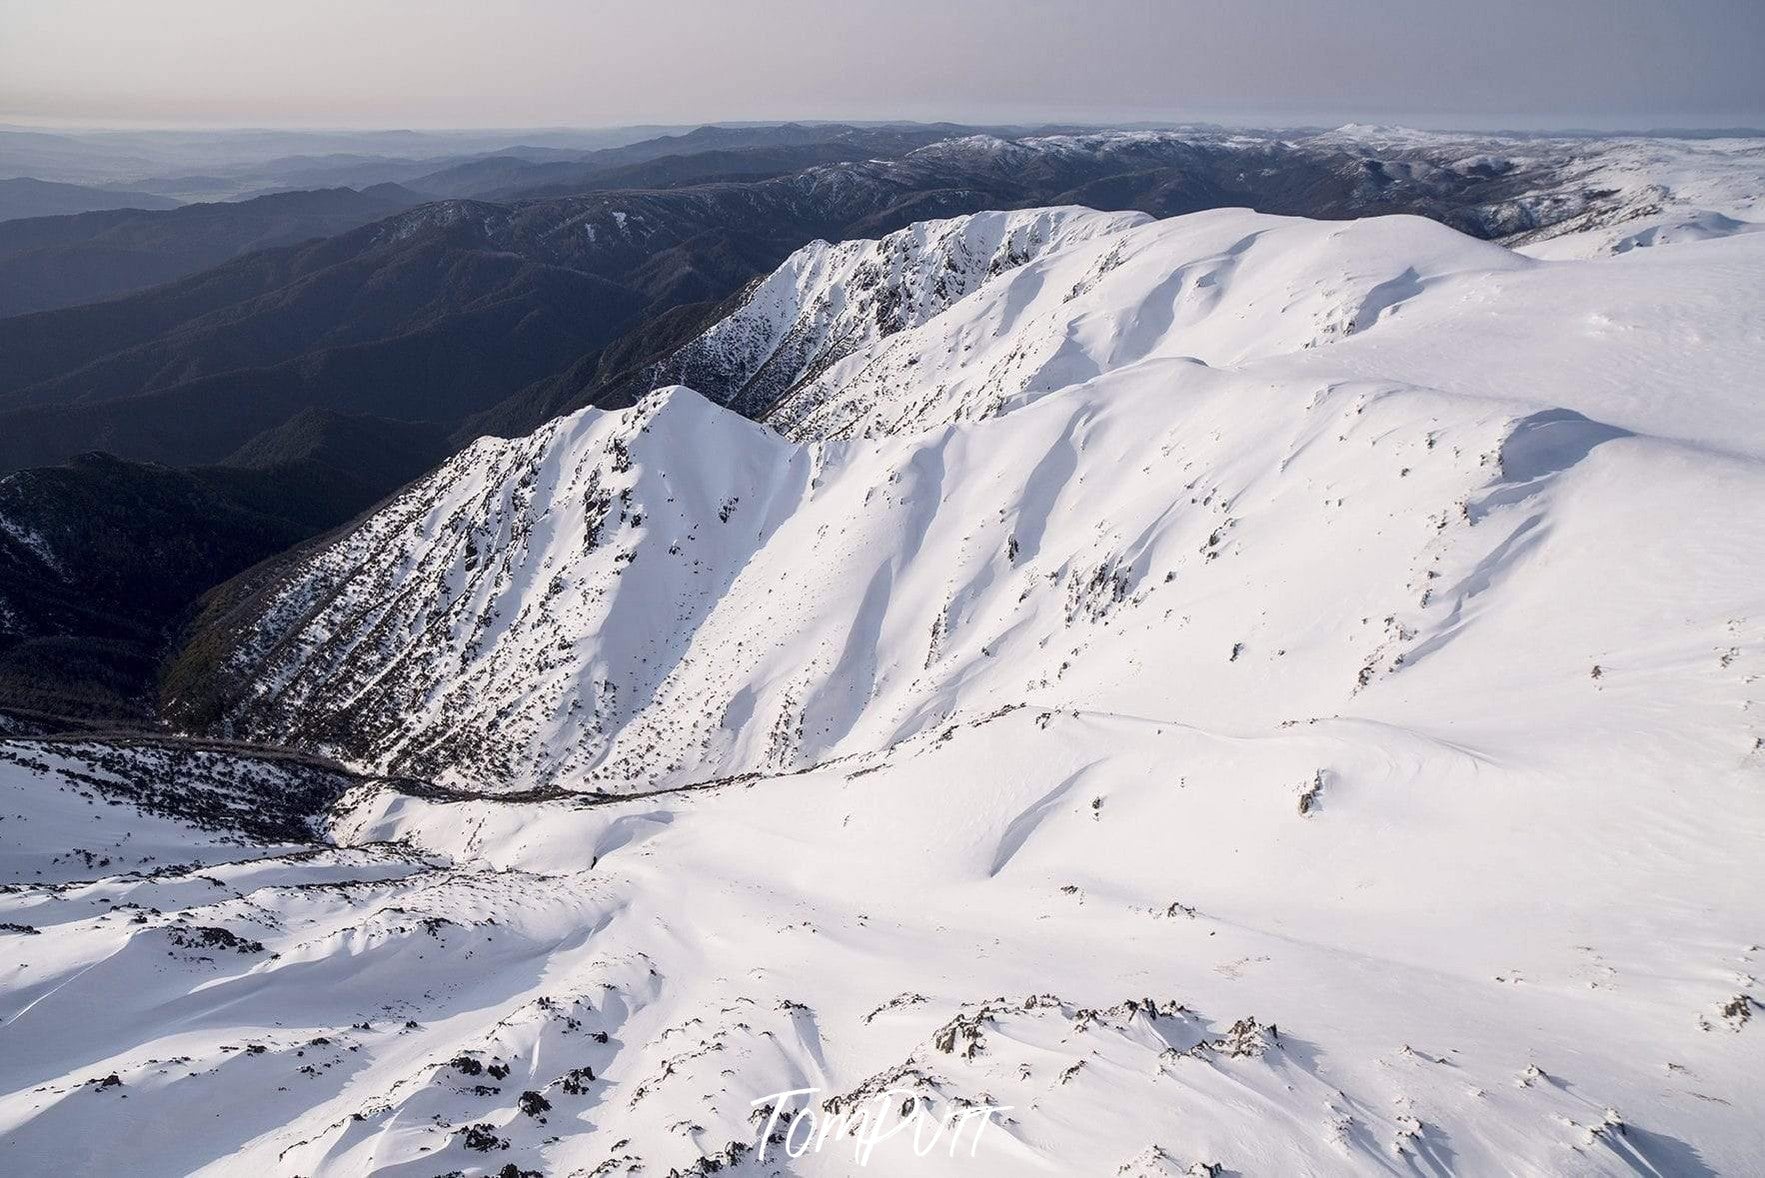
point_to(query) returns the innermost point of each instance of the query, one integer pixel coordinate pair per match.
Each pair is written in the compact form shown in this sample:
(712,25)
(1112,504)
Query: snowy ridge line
(1087,311)
(826,302)
(1079,310)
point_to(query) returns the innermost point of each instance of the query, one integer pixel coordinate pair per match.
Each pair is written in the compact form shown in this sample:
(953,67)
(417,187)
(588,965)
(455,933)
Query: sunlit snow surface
(1240,691)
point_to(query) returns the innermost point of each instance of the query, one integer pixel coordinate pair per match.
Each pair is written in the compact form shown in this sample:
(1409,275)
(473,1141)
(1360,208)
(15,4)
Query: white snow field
(1240,695)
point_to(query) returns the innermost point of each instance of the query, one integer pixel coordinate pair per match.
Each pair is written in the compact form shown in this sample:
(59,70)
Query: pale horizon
(202,65)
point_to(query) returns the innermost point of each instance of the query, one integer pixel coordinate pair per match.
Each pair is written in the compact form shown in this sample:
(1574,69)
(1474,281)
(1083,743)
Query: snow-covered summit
(1223,287)
(828,301)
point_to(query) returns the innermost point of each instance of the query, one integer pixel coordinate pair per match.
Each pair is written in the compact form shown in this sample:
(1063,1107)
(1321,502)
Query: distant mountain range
(218,165)
(698,156)
(52,262)
(27,197)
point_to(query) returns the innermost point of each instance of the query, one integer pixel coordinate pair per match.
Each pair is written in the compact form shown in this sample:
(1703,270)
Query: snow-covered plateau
(1232,694)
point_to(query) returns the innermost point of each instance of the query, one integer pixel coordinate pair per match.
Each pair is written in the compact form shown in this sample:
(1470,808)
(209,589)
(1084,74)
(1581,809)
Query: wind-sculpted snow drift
(1251,695)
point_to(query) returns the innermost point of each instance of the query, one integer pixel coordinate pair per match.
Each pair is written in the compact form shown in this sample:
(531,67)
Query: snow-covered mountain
(675,593)
(1250,694)
(828,301)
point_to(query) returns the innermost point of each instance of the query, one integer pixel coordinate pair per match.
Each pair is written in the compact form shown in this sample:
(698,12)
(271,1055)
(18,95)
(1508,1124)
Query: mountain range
(456,274)
(52,262)
(1228,692)
(27,197)
(455,319)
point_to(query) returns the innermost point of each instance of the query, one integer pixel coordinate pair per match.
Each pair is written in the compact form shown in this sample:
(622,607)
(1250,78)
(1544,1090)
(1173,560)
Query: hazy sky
(506,63)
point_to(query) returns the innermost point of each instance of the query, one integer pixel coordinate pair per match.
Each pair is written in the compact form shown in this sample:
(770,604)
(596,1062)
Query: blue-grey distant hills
(28,197)
(51,262)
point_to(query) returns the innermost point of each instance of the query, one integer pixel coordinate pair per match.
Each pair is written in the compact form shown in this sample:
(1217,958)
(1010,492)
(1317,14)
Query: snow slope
(829,301)
(1222,288)
(1243,692)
